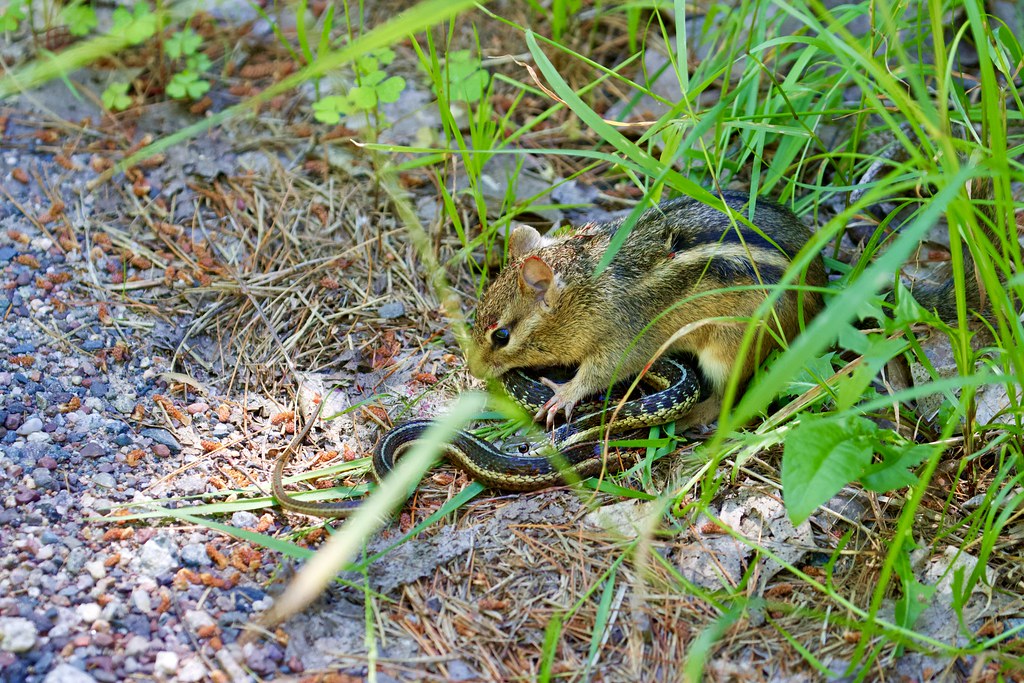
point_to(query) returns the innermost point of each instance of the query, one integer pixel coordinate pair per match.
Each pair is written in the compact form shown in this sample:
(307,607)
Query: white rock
(197,619)
(192,671)
(65,673)
(263,604)
(17,634)
(627,518)
(166,663)
(941,571)
(96,569)
(30,426)
(141,599)
(89,612)
(136,645)
(159,555)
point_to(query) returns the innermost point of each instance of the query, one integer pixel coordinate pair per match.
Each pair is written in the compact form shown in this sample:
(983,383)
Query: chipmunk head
(515,308)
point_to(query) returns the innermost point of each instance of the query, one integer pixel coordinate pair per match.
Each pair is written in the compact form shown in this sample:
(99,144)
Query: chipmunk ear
(524,239)
(537,278)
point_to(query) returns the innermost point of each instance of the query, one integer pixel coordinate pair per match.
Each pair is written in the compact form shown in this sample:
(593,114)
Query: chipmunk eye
(501,336)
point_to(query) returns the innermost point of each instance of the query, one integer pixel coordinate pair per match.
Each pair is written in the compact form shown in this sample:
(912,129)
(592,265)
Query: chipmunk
(547,308)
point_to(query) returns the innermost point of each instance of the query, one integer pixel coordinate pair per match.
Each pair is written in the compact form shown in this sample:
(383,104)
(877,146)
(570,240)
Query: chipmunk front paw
(564,399)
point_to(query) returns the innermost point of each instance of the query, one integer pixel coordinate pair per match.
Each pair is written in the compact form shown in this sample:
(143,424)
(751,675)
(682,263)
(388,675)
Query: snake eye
(524,448)
(500,337)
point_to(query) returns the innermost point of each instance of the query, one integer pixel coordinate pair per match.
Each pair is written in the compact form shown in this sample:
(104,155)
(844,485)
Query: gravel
(88,423)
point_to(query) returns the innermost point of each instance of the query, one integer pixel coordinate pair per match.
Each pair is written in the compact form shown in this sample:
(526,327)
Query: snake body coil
(576,446)
(574,449)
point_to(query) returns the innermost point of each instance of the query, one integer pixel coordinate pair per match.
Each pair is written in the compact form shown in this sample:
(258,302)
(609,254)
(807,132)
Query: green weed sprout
(374,87)
(116,97)
(80,18)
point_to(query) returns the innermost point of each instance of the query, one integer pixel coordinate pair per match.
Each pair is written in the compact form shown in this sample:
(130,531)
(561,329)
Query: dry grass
(281,273)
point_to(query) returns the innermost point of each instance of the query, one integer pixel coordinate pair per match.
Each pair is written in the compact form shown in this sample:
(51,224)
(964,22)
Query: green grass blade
(702,646)
(601,620)
(50,67)
(552,636)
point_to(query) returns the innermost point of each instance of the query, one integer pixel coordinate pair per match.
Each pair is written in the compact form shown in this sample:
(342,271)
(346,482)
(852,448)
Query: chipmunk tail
(938,291)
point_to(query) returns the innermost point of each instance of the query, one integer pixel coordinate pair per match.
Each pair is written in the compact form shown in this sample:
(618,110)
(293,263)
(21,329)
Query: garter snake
(579,442)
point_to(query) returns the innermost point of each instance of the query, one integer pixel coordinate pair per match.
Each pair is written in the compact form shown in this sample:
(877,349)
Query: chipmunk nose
(477,367)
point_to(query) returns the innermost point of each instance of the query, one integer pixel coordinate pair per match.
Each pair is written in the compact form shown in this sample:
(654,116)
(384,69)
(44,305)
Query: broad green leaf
(879,350)
(467,79)
(894,471)
(460,63)
(176,88)
(815,372)
(854,387)
(1010,43)
(820,457)
(187,84)
(471,88)
(850,337)
(907,309)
